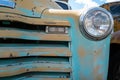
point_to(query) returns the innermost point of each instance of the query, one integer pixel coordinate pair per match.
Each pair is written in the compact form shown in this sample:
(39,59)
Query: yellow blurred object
(109,7)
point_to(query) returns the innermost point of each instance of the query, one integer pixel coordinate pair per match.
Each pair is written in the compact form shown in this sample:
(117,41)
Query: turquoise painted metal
(28,51)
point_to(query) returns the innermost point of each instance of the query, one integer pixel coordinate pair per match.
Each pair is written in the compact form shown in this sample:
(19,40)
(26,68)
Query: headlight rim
(82,22)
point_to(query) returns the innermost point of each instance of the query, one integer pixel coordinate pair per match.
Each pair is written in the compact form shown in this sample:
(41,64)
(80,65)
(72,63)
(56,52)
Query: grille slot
(34,59)
(10,41)
(21,26)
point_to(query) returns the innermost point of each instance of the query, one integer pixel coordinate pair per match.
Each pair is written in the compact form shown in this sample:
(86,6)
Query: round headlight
(96,23)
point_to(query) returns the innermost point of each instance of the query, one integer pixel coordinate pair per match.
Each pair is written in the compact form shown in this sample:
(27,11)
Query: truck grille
(27,51)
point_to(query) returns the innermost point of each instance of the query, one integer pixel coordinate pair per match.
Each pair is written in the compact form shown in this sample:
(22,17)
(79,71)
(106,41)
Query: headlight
(96,23)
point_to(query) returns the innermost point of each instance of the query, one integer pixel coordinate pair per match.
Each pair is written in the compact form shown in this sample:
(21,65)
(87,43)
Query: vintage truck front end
(41,41)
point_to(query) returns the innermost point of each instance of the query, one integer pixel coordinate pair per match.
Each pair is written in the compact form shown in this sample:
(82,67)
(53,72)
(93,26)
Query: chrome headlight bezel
(83,26)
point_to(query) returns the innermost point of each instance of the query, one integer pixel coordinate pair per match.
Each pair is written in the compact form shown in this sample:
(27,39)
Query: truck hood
(30,8)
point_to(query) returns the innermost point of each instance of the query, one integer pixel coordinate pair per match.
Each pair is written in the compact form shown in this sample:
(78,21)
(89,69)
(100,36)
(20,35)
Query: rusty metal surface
(45,79)
(29,20)
(33,9)
(88,59)
(18,68)
(88,62)
(6,52)
(37,78)
(115,37)
(28,35)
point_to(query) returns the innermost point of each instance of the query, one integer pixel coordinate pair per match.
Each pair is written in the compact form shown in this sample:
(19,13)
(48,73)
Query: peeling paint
(19,52)
(82,52)
(86,59)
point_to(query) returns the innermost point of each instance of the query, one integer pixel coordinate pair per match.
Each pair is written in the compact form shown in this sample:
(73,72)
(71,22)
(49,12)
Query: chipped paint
(20,34)
(82,52)
(20,52)
(22,8)
(86,59)
(16,69)
(84,55)
(37,78)
(29,20)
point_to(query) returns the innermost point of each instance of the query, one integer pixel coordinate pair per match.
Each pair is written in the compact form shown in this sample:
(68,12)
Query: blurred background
(79,4)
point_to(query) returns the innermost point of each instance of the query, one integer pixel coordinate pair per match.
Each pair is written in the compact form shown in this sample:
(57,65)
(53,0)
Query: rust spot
(29,52)
(48,66)
(50,22)
(96,69)
(82,52)
(11,55)
(98,54)
(97,75)
(27,69)
(33,10)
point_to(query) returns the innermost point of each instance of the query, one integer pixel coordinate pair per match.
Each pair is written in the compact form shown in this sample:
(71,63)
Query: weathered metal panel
(33,9)
(32,78)
(39,76)
(29,20)
(88,61)
(6,52)
(19,68)
(36,78)
(89,58)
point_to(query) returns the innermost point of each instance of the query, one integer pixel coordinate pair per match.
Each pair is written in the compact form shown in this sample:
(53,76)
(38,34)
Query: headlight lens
(96,23)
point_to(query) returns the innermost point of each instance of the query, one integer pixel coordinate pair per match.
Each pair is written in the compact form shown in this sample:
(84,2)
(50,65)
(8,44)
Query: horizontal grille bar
(33,67)
(40,76)
(10,52)
(17,66)
(33,35)
(35,21)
